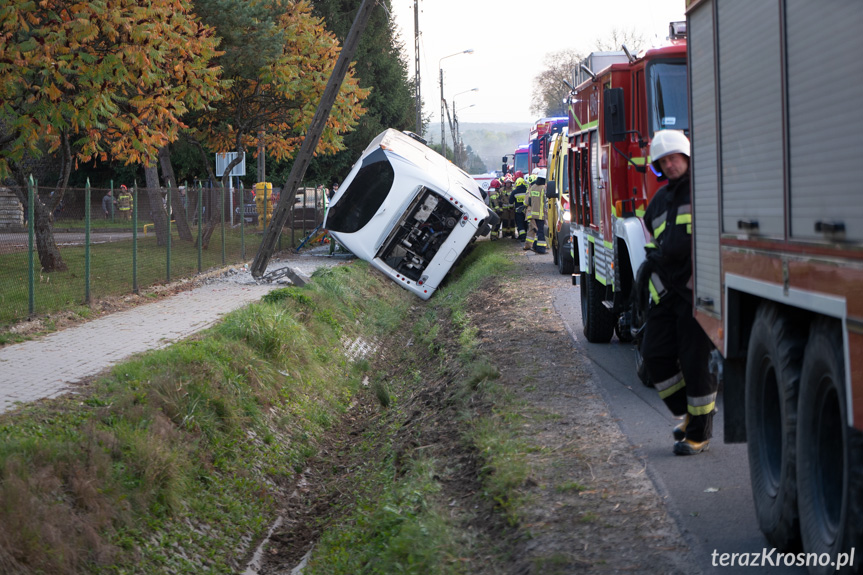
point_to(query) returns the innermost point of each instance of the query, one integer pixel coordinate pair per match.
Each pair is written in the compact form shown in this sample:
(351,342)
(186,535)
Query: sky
(510,40)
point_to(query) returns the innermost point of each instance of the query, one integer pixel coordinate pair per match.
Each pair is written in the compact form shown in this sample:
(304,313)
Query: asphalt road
(709,494)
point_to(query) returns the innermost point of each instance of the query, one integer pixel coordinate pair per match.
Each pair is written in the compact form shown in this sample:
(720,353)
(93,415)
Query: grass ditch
(176,461)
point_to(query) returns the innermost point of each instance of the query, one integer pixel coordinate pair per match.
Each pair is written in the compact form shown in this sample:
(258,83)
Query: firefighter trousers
(536,236)
(676,352)
(520,225)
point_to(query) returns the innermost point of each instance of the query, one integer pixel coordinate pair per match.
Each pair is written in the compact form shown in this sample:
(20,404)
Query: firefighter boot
(679,431)
(690,447)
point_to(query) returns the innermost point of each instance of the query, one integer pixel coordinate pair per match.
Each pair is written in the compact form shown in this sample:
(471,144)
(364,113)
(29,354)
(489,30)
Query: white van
(408,211)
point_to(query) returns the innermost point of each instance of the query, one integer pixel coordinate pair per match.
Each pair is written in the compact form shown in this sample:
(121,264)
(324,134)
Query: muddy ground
(589,505)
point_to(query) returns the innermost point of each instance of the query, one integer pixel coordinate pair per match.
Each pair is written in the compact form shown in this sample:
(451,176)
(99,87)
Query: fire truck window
(364,195)
(667,96)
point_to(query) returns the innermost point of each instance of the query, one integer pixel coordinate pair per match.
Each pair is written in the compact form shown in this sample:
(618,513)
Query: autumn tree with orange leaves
(276,97)
(93,80)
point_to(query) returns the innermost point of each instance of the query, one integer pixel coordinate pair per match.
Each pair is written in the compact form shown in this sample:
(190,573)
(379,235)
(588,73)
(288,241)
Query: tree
(278,92)
(96,80)
(618,38)
(549,90)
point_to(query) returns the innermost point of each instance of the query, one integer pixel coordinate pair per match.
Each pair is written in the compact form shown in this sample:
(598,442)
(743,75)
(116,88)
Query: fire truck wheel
(772,383)
(597,321)
(829,452)
(565,265)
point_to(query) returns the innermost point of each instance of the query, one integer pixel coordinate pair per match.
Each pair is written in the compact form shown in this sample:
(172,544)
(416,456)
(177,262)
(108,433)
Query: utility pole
(419,104)
(310,142)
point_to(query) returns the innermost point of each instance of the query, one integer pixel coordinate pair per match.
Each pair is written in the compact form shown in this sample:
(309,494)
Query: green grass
(172,461)
(176,459)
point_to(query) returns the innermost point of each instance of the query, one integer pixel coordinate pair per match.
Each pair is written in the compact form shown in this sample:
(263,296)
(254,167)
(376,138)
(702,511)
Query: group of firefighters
(520,203)
(674,347)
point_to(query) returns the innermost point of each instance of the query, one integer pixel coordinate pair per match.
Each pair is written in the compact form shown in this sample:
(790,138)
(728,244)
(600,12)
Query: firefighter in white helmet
(674,347)
(535,213)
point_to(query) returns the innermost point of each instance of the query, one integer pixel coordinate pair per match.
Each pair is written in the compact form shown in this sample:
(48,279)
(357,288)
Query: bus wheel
(829,468)
(772,379)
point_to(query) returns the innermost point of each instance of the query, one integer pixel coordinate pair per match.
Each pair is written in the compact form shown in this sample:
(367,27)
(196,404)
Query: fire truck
(557,193)
(540,141)
(520,159)
(778,258)
(613,114)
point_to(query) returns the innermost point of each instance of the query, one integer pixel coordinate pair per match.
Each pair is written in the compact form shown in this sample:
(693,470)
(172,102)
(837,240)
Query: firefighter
(516,198)
(674,347)
(124,203)
(507,215)
(495,205)
(535,213)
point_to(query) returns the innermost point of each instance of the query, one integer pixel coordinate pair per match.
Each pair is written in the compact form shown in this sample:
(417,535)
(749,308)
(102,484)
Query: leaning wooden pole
(313,136)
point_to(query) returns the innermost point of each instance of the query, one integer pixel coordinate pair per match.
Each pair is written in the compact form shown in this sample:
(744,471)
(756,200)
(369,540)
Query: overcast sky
(510,40)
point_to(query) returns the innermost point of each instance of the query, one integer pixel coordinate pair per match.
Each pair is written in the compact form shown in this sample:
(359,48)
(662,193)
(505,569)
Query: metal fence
(109,247)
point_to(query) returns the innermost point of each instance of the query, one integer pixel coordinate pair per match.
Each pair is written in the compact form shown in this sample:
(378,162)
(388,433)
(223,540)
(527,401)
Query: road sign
(222,161)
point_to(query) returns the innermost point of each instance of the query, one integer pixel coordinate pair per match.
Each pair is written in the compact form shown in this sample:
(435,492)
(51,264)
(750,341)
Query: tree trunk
(215,218)
(157,210)
(177,208)
(43,226)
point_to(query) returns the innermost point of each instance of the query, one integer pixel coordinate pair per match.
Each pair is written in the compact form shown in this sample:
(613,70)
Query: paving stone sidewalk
(48,366)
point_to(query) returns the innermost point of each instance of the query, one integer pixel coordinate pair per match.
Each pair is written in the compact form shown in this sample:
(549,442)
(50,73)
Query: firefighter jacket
(494,199)
(535,200)
(124,201)
(517,197)
(504,197)
(669,220)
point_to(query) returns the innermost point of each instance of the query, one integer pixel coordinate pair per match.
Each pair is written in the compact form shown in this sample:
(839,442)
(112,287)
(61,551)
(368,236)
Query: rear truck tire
(829,454)
(565,263)
(772,383)
(597,321)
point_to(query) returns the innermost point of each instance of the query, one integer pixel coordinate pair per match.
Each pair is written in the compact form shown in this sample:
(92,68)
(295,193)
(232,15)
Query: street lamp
(455,136)
(442,111)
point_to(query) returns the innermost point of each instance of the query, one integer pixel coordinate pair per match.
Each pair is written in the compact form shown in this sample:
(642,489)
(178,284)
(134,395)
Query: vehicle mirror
(614,116)
(550,189)
(535,147)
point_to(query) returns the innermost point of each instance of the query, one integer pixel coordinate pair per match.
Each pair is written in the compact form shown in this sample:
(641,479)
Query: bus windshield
(667,90)
(364,196)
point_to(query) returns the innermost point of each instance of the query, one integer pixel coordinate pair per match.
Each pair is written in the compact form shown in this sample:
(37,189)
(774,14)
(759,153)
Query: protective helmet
(518,174)
(665,143)
(123,186)
(494,184)
(541,173)
(507,179)
(534,172)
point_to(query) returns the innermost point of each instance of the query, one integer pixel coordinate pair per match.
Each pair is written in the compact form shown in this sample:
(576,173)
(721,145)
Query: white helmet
(541,173)
(667,142)
(534,172)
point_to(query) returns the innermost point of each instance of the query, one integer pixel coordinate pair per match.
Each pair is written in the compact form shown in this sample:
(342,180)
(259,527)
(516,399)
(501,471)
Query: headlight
(566,216)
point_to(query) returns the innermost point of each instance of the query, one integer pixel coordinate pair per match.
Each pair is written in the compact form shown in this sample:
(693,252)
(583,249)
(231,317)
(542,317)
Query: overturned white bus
(408,211)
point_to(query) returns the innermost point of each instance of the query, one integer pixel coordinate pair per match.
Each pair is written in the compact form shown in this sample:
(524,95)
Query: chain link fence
(112,242)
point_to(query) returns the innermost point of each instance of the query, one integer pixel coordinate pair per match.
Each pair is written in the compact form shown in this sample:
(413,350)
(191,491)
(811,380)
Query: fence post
(135,238)
(168,216)
(200,221)
(113,198)
(87,242)
(31,288)
(242,203)
(222,210)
